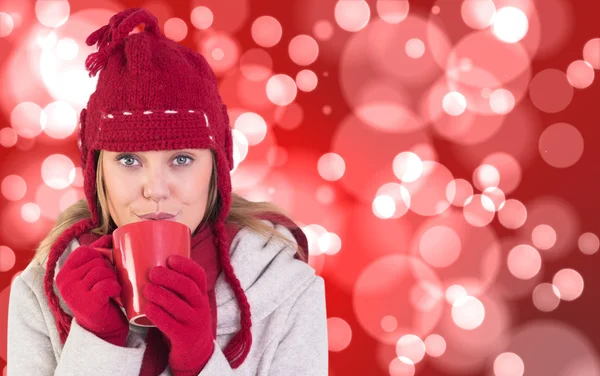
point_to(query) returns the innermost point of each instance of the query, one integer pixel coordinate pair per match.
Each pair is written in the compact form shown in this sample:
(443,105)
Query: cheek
(194,190)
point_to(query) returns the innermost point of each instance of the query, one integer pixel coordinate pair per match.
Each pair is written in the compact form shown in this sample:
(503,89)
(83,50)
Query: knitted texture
(152,94)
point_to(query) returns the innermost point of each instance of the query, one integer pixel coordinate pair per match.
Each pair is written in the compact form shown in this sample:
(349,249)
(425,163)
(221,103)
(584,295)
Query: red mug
(137,247)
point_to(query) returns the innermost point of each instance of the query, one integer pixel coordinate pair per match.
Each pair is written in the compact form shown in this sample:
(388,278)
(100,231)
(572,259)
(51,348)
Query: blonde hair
(242,213)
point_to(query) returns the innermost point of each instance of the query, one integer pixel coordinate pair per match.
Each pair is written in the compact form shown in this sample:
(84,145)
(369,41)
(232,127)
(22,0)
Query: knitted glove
(87,283)
(178,306)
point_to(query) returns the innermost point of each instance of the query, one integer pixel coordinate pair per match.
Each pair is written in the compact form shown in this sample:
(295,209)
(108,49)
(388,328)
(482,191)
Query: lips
(157,216)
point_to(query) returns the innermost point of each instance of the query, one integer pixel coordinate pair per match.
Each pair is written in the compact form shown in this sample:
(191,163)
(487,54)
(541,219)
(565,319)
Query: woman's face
(174,182)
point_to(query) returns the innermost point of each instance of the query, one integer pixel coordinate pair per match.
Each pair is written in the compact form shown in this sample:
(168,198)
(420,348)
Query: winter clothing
(285,296)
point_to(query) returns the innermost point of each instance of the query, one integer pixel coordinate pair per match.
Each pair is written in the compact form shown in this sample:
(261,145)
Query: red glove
(87,283)
(178,306)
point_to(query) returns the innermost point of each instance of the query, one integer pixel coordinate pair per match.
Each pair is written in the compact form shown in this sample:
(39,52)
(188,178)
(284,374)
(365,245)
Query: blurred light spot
(30,212)
(384,207)
(591,52)
(7,258)
(440,246)
(580,74)
(69,198)
(401,367)
(393,11)
(77,177)
(46,39)
(323,30)
(543,237)
(306,80)
(313,234)
(508,364)
(454,103)
(67,49)
(13,187)
(478,14)
(325,194)
(389,323)
(510,24)
(339,334)
(352,15)
(327,110)
(502,101)
(588,243)
(435,345)
(57,171)
(202,17)
(61,120)
(331,166)
(28,119)
(330,243)
(256,64)
(414,48)
(458,192)
(281,89)
(253,126)
(266,31)
(175,29)
(550,91)
(454,292)
(508,168)
(428,192)
(524,262)
(407,166)
(410,347)
(221,52)
(486,176)
(435,9)
(478,210)
(546,297)
(240,147)
(6,24)
(493,199)
(289,117)
(569,283)
(399,194)
(468,312)
(561,145)
(303,49)
(513,214)
(8,137)
(52,13)
(277,156)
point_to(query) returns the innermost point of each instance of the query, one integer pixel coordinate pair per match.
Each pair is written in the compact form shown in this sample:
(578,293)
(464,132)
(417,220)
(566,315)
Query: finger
(80,256)
(170,302)
(176,282)
(162,319)
(189,268)
(71,274)
(98,274)
(106,289)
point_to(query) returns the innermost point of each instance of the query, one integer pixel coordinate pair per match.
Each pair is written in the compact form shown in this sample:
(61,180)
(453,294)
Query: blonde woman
(155,144)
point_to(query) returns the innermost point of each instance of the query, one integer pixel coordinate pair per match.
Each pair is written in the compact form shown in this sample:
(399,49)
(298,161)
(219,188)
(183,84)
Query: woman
(155,137)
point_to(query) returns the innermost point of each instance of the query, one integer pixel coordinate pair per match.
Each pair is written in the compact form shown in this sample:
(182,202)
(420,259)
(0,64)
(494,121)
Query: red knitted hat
(152,94)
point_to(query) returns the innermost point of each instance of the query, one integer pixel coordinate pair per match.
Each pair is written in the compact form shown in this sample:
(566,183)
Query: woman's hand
(178,306)
(87,283)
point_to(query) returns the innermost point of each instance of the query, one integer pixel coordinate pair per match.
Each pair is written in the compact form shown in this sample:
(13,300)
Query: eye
(182,159)
(127,158)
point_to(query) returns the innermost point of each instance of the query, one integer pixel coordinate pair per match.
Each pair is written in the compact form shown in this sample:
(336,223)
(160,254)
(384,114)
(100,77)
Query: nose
(156,186)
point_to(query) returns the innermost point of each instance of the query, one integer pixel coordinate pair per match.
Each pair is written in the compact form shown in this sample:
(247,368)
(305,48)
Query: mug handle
(108,253)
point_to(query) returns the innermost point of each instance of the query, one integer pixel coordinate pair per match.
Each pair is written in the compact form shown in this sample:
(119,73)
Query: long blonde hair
(242,213)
